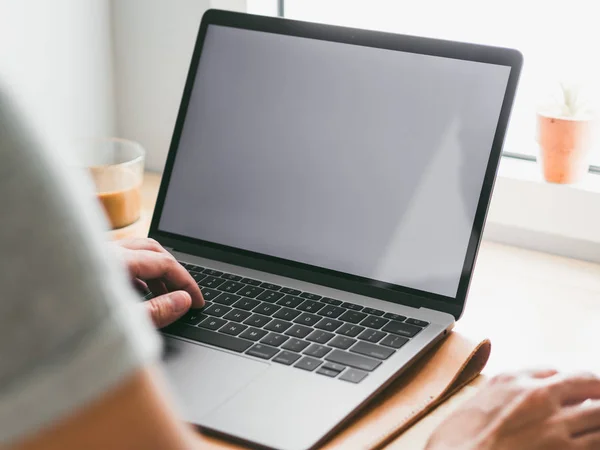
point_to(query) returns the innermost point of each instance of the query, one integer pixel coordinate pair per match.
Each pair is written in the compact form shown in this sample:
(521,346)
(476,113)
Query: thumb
(167,308)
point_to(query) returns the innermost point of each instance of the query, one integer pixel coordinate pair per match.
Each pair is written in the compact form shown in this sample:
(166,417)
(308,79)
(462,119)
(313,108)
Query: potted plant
(564,134)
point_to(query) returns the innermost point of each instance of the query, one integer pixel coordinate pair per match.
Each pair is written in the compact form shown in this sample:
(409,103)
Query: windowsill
(525,170)
(528,212)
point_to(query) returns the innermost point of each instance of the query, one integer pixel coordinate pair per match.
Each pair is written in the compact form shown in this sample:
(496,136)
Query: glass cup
(117,170)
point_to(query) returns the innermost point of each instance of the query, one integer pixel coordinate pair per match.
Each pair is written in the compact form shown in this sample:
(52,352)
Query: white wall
(84,68)
(55,57)
(153,42)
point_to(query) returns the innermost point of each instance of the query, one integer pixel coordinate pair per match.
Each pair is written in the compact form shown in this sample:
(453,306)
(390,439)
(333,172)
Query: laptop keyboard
(317,334)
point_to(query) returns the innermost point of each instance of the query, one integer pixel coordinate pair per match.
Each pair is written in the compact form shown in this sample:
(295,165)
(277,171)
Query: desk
(537,309)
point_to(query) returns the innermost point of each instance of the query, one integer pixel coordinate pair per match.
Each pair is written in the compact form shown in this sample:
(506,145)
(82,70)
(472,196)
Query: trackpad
(203,378)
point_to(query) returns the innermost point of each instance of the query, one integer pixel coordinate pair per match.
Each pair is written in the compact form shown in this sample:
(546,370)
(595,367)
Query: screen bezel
(338,280)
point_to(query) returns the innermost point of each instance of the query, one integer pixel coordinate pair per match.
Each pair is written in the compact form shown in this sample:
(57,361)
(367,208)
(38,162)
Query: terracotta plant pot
(564,148)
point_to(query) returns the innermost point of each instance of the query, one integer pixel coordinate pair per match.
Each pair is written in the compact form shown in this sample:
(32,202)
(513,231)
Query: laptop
(327,189)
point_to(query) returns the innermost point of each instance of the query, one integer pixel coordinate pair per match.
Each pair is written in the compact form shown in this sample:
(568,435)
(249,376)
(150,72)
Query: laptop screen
(361,160)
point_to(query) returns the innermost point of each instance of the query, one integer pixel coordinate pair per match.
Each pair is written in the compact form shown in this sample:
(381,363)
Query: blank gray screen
(361,160)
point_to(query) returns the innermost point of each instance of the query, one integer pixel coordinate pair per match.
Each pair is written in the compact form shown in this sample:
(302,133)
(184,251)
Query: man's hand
(533,411)
(153,268)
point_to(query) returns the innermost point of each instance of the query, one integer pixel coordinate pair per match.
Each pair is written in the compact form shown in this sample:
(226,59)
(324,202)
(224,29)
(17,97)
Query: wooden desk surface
(537,309)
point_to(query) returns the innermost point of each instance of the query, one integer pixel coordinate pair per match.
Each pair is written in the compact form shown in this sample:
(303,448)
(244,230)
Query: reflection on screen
(360,160)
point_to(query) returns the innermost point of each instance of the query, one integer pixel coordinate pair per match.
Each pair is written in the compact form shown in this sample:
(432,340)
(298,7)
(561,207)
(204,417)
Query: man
(79,364)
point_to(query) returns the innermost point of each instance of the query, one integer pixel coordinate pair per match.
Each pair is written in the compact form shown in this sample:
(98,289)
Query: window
(557,38)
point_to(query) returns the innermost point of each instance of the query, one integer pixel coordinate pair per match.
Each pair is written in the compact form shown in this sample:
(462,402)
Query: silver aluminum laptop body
(261,400)
(277,406)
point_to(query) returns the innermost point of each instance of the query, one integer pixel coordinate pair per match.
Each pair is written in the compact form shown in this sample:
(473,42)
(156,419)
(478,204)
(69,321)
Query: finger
(140,286)
(588,441)
(157,287)
(168,308)
(523,374)
(142,244)
(534,377)
(571,389)
(582,418)
(541,373)
(149,265)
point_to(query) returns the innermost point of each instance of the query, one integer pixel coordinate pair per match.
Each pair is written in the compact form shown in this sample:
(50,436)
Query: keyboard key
(226,299)
(371,335)
(231,286)
(327,372)
(295,345)
(247,303)
(375,312)
(198,276)
(278,325)
(353,360)
(217,310)
(231,277)
(374,322)
(299,331)
(212,323)
(233,328)
(331,311)
(317,351)
(396,317)
(257,320)
(290,301)
(271,286)
(286,314)
(331,301)
(254,334)
(193,317)
(307,319)
(211,282)
(209,337)
(350,330)
(262,351)
(372,350)
(266,309)
(250,281)
(237,315)
(311,306)
(209,294)
(310,296)
(417,322)
(194,268)
(333,366)
(353,376)
(308,363)
(289,291)
(401,329)
(391,340)
(328,324)
(320,336)
(270,296)
(274,339)
(352,306)
(287,358)
(352,316)
(250,291)
(212,272)
(342,342)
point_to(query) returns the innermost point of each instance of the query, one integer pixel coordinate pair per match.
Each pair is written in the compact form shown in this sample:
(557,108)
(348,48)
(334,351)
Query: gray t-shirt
(71,327)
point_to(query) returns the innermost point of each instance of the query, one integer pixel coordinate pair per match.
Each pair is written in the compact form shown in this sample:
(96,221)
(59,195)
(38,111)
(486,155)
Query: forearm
(137,414)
